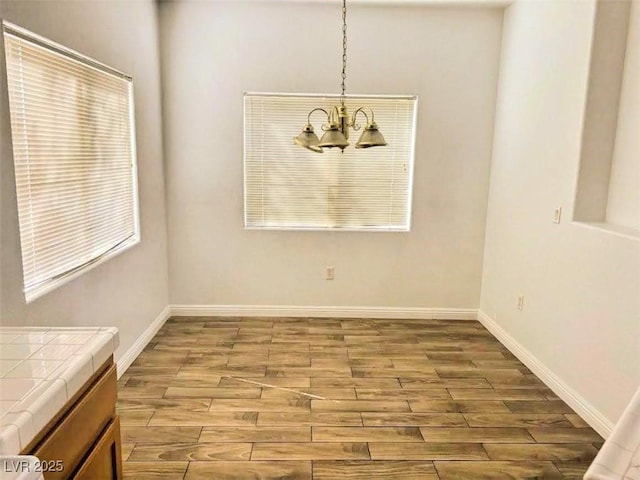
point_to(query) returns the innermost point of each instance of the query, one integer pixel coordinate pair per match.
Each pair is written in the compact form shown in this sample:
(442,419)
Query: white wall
(623,207)
(130,290)
(581,285)
(447,56)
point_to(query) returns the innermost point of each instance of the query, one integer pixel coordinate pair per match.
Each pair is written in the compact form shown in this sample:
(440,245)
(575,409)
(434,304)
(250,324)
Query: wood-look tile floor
(296,398)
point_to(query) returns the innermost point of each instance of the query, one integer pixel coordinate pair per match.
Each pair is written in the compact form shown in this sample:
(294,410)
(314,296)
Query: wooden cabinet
(105,459)
(85,435)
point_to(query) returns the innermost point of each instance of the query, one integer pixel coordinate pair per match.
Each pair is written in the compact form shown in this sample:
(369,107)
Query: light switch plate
(557,214)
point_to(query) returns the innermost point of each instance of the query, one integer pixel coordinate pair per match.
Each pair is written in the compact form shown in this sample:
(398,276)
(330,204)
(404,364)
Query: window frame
(58,280)
(330,229)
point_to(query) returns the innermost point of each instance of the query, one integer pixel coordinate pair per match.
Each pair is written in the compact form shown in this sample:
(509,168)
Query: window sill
(617,230)
(47,287)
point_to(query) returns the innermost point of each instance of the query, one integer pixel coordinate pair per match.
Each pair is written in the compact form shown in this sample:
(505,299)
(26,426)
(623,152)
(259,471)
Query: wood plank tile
(328,393)
(246,358)
(516,420)
(360,372)
(494,394)
(564,435)
(328,382)
(374,419)
(288,382)
(280,348)
(310,451)
(437,382)
(279,360)
(573,471)
(310,418)
(501,363)
(176,417)
(244,372)
(126,449)
(402,394)
(526,381)
(252,330)
(564,452)
(187,405)
(476,435)
(209,381)
(488,373)
(547,406)
(215,392)
(144,452)
(261,405)
(464,355)
(427,364)
(274,470)
(148,380)
(427,451)
(145,391)
(159,358)
(330,363)
(154,470)
(308,372)
(576,420)
(467,406)
(251,347)
(255,434)
(371,362)
(496,470)
(373,469)
(200,360)
(366,434)
(154,434)
(360,405)
(135,417)
(416,396)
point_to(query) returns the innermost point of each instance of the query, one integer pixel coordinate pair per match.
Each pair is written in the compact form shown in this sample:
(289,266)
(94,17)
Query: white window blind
(73,148)
(289,187)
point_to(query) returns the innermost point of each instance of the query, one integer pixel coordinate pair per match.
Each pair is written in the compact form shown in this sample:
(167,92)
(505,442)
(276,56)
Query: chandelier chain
(344,46)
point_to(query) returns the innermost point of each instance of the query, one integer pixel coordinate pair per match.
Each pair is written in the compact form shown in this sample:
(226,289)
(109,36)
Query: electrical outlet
(330,273)
(557,214)
(521,302)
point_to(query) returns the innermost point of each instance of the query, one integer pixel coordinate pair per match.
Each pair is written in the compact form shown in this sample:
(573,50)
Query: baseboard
(581,406)
(130,355)
(324,311)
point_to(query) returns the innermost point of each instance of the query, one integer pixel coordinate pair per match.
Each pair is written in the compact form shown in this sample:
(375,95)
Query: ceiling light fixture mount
(336,130)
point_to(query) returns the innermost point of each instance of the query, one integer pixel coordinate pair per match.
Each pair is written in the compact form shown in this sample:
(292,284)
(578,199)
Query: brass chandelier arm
(357,126)
(315,110)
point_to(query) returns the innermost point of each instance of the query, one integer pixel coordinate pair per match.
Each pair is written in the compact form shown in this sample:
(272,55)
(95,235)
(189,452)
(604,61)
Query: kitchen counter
(40,370)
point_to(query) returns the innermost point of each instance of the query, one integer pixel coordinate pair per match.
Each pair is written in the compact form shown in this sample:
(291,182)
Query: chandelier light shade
(338,120)
(308,139)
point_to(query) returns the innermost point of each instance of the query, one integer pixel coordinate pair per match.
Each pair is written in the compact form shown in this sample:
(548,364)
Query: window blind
(74,156)
(289,187)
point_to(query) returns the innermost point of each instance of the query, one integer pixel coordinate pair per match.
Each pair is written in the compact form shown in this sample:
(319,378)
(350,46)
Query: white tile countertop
(619,457)
(40,369)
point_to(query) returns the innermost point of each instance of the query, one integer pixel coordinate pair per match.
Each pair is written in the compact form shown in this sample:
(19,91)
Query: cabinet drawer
(104,462)
(70,440)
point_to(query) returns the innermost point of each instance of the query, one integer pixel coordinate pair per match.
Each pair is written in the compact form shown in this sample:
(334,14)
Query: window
(289,187)
(74,155)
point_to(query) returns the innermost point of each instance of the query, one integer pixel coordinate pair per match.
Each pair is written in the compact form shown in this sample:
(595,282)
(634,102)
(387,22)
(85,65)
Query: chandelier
(336,130)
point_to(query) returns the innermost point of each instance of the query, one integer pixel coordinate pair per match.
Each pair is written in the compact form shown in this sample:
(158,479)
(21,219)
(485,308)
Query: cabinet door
(70,440)
(105,460)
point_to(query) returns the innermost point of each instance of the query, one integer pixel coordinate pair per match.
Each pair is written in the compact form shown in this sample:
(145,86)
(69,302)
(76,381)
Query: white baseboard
(587,411)
(326,311)
(130,355)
